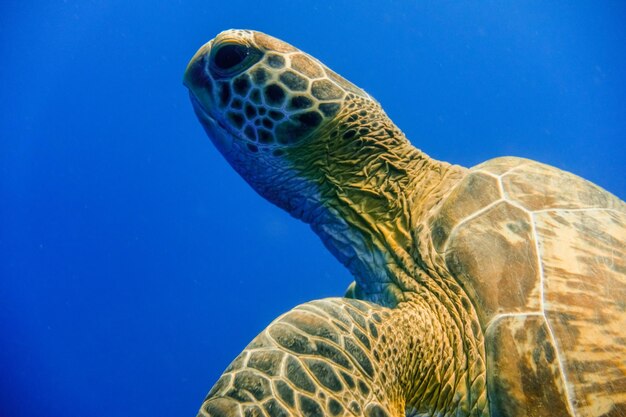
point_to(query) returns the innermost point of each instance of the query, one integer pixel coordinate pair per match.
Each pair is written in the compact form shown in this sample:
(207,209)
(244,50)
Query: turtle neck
(373,189)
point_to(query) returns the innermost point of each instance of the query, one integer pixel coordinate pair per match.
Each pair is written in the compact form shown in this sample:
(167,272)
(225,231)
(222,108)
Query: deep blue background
(135,264)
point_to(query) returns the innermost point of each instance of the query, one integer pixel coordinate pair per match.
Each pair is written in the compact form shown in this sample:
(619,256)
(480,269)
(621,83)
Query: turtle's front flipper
(344,357)
(319,359)
(350,291)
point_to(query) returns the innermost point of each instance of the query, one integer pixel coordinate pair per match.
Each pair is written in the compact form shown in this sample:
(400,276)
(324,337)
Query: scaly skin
(324,150)
(342,357)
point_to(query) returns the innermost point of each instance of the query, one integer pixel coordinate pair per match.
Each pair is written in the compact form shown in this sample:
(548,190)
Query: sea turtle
(497,290)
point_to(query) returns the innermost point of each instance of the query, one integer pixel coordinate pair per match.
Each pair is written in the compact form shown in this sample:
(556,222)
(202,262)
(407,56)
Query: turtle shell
(542,254)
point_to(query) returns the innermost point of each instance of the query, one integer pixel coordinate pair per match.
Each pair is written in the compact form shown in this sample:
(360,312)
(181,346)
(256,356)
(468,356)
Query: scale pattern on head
(266,92)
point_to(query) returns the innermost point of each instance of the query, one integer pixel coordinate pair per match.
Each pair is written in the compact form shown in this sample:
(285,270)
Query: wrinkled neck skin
(372,190)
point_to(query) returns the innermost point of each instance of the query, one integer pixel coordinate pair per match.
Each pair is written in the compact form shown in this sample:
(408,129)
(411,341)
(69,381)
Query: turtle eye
(231,58)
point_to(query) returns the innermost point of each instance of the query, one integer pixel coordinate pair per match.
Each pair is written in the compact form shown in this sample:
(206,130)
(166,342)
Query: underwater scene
(139,256)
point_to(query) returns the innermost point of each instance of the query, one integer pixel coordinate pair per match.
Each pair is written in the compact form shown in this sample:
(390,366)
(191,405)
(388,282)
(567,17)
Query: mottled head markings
(266,93)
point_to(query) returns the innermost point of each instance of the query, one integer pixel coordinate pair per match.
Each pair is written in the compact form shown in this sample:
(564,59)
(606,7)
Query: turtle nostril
(229,56)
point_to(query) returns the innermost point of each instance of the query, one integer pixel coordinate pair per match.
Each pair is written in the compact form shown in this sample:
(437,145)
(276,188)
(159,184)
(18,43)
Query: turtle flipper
(350,291)
(315,360)
(342,357)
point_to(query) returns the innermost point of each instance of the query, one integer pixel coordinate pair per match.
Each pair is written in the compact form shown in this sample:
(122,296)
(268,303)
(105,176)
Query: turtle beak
(196,74)
(198,80)
(200,84)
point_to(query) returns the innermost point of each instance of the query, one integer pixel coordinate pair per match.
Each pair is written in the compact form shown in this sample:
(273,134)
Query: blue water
(135,264)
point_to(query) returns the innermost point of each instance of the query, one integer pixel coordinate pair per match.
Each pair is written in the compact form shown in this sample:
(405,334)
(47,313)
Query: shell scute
(523,372)
(494,257)
(541,187)
(584,264)
(501,165)
(474,192)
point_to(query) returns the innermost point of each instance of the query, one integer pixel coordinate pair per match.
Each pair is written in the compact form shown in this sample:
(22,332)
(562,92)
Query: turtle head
(312,143)
(269,108)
